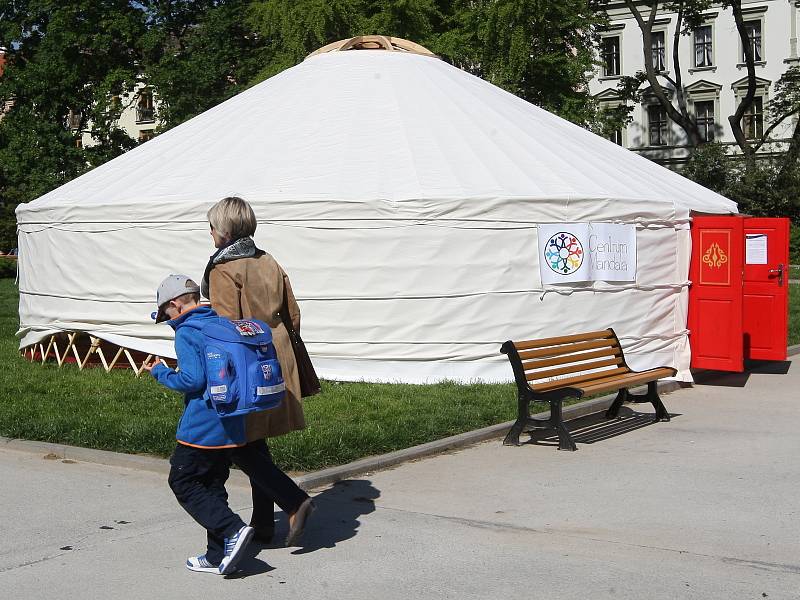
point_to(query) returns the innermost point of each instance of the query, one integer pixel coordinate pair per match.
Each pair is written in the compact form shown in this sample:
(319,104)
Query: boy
(201,461)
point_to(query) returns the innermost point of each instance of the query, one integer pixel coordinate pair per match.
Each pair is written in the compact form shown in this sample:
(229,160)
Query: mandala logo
(563,253)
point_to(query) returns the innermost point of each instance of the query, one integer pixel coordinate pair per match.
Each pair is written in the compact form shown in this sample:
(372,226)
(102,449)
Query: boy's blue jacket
(199,425)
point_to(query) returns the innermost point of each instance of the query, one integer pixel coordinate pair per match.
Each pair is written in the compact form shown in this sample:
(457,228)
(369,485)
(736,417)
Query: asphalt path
(705,506)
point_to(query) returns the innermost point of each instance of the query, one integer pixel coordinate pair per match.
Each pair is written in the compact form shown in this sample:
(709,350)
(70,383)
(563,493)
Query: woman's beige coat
(253,288)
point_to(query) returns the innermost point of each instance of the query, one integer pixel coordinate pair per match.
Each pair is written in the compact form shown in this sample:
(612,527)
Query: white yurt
(403,196)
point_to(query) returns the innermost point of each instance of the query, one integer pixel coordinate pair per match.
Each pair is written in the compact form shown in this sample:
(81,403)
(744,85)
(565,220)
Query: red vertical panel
(715,297)
(766,288)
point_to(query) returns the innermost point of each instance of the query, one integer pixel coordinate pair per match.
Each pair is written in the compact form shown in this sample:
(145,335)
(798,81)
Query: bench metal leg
(613,410)
(565,441)
(662,414)
(523,416)
(512,437)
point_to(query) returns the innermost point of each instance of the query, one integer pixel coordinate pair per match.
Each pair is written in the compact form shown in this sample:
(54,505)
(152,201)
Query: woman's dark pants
(270,486)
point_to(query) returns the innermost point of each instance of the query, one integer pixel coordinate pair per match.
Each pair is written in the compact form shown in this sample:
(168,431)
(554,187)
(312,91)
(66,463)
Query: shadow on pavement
(335,520)
(337,516)
(758,367)
(596,428)
(250,565)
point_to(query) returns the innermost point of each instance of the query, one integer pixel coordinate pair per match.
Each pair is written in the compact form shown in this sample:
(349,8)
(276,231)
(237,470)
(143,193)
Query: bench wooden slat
(564,339)
(628,380)
(560,360)
(575,368)
(567,349)
(572,381)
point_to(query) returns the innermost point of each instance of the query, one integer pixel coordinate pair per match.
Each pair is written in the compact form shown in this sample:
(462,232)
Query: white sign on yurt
(587,252)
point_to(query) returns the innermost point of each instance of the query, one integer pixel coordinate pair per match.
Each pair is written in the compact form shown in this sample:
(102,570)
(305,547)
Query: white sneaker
(201,565)
(234,546)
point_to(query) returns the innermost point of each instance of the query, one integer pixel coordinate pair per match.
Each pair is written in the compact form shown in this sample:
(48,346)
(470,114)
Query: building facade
(138,117)
(713,71)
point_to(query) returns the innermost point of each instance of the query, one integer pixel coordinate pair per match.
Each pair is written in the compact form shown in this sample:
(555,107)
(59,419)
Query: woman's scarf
(242,248)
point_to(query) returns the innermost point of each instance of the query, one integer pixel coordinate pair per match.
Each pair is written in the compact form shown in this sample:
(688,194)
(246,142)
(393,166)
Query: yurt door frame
(739,299)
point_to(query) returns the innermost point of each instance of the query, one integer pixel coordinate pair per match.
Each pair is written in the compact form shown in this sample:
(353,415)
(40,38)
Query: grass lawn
(120,412)
(794,314)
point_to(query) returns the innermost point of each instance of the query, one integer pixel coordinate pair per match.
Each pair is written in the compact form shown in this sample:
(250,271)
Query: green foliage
(710,166)
(756,188)
(292,29)
(62,56)
(541,51)
(8,267)
(198,54)
(794,248)
(794,314)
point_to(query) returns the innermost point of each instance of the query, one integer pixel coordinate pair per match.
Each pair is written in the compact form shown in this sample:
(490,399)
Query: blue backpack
(242,370)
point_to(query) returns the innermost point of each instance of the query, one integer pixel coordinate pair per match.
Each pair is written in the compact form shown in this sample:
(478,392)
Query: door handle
(779,271)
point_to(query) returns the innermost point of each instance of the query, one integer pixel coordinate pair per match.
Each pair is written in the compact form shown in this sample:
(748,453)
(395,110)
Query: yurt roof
(365,134)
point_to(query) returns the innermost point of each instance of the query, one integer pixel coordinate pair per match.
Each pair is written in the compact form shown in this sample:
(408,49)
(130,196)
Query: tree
(198,54)
(540,51)
(61,64)
(293,29)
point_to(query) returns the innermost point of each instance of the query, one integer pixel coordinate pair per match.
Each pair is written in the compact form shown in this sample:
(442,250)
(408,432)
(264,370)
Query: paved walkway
(703,507)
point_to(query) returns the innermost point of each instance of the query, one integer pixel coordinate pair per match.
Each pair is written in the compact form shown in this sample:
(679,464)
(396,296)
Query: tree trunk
(681,117)
(735,119)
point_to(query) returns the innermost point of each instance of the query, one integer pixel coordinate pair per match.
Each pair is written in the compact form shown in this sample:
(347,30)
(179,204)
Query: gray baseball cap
(172,287)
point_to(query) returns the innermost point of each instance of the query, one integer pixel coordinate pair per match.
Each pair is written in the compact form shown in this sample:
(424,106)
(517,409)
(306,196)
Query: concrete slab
(702,507)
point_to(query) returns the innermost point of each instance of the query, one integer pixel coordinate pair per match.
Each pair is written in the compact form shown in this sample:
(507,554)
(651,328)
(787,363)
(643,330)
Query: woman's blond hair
(233,218)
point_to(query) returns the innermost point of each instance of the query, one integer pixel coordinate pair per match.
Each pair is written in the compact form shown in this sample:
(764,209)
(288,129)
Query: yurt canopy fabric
(401,194)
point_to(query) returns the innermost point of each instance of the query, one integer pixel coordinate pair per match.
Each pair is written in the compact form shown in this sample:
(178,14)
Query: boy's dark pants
(197,478)
(269,484)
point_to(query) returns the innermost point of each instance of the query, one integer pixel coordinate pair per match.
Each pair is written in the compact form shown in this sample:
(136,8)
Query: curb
(325,476)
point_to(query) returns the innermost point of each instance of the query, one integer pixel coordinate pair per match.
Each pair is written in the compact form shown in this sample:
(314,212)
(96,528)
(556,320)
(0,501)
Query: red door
(715,298)
(766,285)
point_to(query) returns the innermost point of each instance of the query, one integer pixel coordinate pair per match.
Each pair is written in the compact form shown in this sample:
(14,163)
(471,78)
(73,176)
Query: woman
(242,281)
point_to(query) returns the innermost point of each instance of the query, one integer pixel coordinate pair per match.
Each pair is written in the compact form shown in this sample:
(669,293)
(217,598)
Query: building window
(753,119)
(145,135)
(657,125)
(74,119)
(610,56)
(753,30)
(703,56)
(145,113)
(616,136)
(704,113)
(658,46)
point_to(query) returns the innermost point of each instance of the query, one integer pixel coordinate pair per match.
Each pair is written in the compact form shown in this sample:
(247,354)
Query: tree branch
(744,105)
(771,128)
(687,124)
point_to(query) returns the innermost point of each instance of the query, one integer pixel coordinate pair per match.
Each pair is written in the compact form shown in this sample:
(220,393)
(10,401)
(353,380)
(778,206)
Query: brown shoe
(297,521)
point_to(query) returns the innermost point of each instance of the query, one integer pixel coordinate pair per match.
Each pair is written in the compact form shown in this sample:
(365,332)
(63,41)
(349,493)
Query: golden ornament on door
(715,256)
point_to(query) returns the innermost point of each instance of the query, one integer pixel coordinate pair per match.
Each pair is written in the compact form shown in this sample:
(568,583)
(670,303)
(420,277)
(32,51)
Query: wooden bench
(552,369)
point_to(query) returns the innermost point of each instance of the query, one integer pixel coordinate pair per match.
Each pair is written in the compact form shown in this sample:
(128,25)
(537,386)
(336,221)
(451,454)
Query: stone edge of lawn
(330,475)
(315,479)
